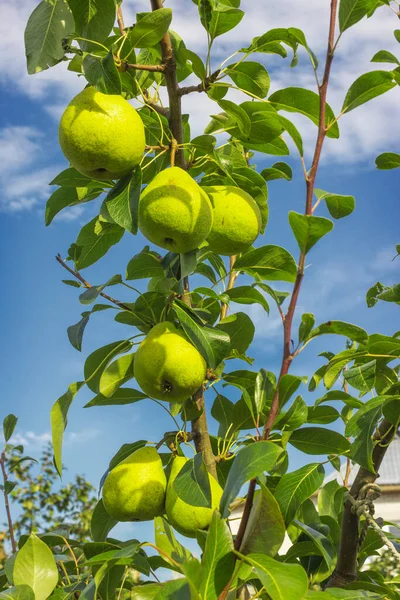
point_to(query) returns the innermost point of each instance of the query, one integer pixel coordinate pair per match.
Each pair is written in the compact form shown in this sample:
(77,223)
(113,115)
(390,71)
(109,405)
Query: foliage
(257,430)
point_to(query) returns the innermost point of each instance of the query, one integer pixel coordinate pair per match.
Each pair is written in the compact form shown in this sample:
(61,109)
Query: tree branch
(201,436)
(288,318)
(171,81)
(346,568)
(7,503)
(232,278)
(120,20)
(201,87)
(161,110)
(87,285)
(125,66)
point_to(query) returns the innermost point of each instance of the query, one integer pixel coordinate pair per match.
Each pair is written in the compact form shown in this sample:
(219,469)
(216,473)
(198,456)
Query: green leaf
(94,20)
(282,580)
(288,385)
(249,462)
(251,77)
(295,488)
(366,87)
(101,523)
(247,294)
(213,344)
(240,329)
(238,114)
(279,170)
(120,396)
(388,160)
(116,374)
(266,126)
(217,560)
(167,542)
(150,28)
(98,360)
(75,332)
(68,196)
(58,419)
(268,262)
(353,332)
(339,206)
(264,390)
(362,377)
(265,531)
(94,241)
(9,424)
(36,567)
(102,73)
(385,57)
(19,592)
(145,264)
(221,410)
(192,483)
(322,414)
(122,202)
(308,229)
(306,325)
(319,440)
(50,22)
(294,134)
(223,19)
(323,544)
(72,178)
(352,11)
(305,102)
(295,417)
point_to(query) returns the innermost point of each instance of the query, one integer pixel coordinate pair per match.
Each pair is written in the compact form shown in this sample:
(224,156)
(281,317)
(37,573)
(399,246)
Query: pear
(174,212)
(236,221)
(167,366)
(135,489)
(101,135)
(182,516)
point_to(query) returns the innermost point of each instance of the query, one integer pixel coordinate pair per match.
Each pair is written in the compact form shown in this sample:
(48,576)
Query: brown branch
(288,318)
(171,81)
(232,278)
(120,20)
(201,87)
(161,110)
(87,285)
(201,436)
(125,66)
(346,568)
(7,503)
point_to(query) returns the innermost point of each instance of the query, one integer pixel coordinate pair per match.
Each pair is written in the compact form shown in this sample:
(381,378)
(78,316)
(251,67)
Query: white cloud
(35,441)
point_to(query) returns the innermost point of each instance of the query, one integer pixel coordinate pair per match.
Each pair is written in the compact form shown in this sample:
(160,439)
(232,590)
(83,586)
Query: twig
(231,282)
(120,20)
(87,285)
(7,503)
(346,567)
(201,436)
(125,66)
(288,318)
(201,87)
(161,110)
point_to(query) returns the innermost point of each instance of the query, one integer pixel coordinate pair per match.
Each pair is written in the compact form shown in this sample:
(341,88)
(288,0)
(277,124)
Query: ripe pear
(167,366)
(174,212)
(101,135)
(182,516)
(135,489)
(237,220)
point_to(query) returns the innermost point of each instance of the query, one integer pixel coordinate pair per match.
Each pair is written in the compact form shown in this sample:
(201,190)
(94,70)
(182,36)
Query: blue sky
(38,362)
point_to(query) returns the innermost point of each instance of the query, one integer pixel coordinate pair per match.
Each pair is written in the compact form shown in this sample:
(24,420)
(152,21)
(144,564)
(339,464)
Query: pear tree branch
(287,319)
(174,115)
(87,285)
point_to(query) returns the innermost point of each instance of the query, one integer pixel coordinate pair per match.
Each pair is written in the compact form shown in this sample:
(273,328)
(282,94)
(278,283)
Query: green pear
(236,222)
(184,517)
(174,212)
(101,135)
(167,366)
(134,490)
